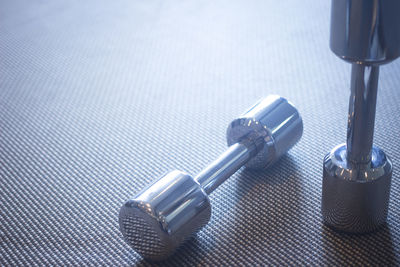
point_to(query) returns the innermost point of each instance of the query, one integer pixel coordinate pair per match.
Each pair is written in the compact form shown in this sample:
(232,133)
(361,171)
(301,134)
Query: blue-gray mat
(99,98)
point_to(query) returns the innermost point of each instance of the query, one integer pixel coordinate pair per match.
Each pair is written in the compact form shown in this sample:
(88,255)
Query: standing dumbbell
(357,175)
(164,214)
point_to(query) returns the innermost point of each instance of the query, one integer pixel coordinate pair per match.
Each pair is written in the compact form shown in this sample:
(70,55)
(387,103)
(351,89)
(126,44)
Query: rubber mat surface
(99,98)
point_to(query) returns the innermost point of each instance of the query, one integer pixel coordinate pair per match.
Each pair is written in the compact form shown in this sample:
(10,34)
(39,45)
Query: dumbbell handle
(360,130)
(225,165)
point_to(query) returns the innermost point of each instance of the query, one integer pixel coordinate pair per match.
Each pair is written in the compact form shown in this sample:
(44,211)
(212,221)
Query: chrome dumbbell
(357,175)
(164,214)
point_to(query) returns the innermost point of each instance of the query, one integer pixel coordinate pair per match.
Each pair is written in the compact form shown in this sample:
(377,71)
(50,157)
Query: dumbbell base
(355,197)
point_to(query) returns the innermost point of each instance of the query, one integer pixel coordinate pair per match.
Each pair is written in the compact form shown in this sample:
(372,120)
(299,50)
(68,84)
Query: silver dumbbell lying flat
(167,212)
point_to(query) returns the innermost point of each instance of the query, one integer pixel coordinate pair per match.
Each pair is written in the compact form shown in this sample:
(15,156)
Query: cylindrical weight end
(275,121)
(365,31)
(355,197)
(163,215)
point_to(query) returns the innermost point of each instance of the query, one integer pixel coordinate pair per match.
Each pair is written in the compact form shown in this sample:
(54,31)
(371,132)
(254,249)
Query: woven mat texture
(99,98)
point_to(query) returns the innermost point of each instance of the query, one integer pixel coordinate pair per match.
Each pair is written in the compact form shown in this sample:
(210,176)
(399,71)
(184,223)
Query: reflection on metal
(357,175)
(167,212)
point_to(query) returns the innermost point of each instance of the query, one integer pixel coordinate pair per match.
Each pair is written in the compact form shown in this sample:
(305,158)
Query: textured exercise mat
(99,98)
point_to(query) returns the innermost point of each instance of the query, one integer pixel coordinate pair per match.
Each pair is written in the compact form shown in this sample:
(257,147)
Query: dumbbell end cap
(163,215)
(142,231)
(275,121)
(355,197)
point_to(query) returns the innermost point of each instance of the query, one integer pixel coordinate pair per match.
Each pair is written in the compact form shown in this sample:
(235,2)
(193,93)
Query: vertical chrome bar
(224,166)
(360,130)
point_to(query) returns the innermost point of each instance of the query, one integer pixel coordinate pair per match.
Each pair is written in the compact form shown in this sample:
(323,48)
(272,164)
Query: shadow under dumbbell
(247,209)
(283,170)
(189,249)
(254,206)
(267,206)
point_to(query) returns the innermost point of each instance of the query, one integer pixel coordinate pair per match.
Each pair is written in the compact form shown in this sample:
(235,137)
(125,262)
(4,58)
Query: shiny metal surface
(365,31)
(223,167)
(357,176)
(158,219)
(166,213)
(273,119)
(360,130)
(355,196)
